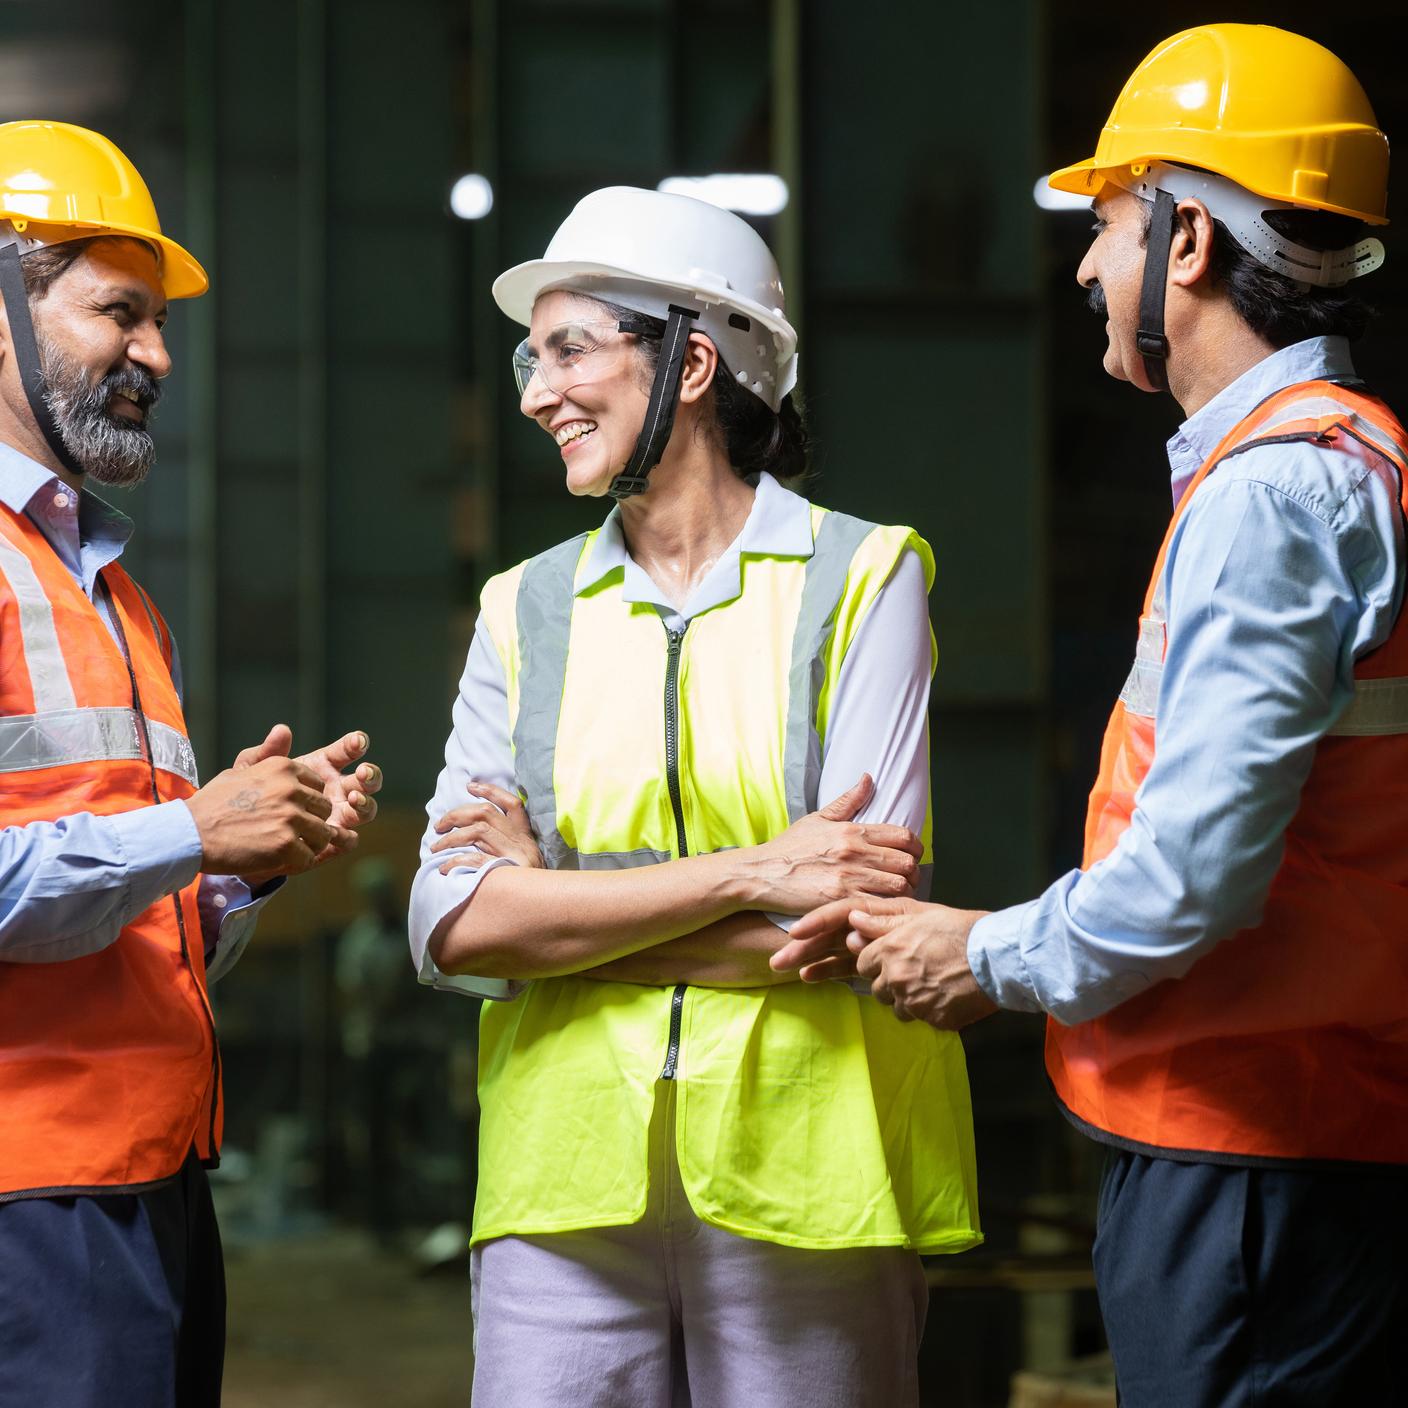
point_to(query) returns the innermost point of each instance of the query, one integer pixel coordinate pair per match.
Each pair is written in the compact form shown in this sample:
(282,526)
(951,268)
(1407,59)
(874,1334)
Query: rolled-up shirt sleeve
(1270,600)
(478,749)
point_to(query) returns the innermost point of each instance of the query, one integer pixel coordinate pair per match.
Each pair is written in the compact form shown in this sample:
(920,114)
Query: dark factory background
(342,464)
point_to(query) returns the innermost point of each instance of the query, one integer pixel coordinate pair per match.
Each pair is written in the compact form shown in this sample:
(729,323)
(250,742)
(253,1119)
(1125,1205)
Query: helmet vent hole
(737,320)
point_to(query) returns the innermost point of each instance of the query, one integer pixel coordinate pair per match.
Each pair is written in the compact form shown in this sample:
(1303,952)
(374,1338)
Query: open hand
(351,797)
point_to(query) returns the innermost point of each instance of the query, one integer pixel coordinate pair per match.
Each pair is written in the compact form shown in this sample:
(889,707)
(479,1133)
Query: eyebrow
(134,294)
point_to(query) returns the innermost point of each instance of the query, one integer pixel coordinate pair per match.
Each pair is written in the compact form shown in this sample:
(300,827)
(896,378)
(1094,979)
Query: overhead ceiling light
(1048,199)
(472,197)
(748,193)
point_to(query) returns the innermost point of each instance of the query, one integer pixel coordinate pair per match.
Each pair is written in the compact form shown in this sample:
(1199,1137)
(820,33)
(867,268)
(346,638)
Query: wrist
(738,877)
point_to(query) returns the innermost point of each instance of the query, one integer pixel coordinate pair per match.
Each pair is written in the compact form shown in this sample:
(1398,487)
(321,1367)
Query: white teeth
(574,431)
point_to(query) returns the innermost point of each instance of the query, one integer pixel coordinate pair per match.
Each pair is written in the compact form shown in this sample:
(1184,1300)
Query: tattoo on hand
(246,801)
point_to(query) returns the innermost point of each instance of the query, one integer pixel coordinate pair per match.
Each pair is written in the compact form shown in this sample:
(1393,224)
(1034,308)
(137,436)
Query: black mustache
(1095,299)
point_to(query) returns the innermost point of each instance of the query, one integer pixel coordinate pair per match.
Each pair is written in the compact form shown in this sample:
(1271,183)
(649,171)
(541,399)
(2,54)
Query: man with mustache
(1226,976)
(124,885)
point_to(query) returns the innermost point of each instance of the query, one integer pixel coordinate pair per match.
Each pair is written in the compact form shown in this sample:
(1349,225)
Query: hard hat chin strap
(660,412)
(25,347)
(1150,339)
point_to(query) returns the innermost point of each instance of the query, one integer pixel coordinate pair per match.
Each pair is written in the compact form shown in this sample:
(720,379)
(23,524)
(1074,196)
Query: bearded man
(124,886)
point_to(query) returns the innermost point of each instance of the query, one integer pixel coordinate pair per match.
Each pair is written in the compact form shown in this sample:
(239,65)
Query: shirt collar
(23,480)
(1314,359)
(779,524)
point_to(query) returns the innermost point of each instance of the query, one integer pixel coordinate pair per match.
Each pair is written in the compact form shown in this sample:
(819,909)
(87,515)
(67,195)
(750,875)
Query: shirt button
(220,901)
(61,500)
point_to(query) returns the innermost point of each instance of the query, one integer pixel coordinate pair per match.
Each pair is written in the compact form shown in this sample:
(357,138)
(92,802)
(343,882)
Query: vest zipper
(674,644)
(176,898)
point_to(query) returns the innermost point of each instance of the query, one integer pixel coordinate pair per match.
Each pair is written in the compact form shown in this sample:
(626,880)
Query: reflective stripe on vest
(48,672)
(805,1114)
(74,736)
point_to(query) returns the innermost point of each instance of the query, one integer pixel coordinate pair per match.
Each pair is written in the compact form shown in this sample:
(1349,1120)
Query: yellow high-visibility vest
(806,1115)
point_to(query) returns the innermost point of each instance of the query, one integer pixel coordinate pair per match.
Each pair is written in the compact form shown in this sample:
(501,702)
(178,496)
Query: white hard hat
(646,250)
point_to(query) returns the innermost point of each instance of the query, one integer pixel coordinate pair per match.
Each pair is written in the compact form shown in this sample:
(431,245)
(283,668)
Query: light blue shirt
(878,721)
(68,887)
(1286,567)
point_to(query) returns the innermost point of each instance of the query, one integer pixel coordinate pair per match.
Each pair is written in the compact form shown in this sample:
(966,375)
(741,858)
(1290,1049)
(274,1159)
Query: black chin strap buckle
(626,486)
(660,412)
(1151,344)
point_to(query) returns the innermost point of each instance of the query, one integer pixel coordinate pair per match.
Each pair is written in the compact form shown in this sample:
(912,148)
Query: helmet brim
(516,290)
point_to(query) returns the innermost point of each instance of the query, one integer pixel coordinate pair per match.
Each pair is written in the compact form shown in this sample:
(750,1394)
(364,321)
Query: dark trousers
(1234,1287)
(115,1301)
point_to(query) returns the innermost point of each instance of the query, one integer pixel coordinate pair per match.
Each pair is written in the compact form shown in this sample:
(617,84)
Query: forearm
(730,953)
(68,887)
(543,923)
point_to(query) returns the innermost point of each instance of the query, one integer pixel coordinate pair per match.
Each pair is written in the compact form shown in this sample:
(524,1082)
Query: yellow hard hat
(1272,111)
(59,182)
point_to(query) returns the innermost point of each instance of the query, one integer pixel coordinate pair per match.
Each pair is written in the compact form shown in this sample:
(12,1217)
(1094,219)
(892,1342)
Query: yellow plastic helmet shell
(1272,111)
(59,182)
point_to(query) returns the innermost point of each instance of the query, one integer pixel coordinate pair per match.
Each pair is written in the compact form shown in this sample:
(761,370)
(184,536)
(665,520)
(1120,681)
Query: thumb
(850,801)
(276,745)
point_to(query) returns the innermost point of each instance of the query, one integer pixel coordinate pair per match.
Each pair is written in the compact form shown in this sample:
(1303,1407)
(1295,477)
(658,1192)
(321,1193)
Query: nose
(1085,275)
(537,396)
(148,350)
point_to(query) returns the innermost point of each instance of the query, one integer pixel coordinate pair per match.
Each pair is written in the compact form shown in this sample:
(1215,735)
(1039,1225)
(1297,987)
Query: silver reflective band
(1140,694)
(48,671)
(1379,709)
(63,737)
(837,539)
(544,621)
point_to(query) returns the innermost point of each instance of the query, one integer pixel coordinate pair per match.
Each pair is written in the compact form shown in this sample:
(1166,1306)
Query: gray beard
(107,449)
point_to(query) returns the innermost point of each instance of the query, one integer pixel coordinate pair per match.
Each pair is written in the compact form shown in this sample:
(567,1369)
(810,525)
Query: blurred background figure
(376,1018)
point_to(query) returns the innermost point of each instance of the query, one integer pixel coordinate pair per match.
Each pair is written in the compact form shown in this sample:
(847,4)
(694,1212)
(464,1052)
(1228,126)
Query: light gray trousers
(670,1312)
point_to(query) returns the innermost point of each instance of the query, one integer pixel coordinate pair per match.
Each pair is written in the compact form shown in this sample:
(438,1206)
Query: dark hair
(1273,306)
(755,437)
(43,266)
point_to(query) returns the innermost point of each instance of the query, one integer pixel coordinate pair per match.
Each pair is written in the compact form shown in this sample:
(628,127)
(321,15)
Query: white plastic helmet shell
(646,250)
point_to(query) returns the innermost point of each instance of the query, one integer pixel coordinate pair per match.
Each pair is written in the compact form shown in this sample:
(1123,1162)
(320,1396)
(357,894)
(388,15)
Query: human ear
(1190,256)
(701,361)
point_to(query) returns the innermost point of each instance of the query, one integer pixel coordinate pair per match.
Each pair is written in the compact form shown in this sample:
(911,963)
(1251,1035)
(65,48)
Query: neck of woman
(695,507)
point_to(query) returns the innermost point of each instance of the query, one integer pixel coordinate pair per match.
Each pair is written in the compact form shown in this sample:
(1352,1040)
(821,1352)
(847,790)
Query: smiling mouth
(573,433)
(126,405)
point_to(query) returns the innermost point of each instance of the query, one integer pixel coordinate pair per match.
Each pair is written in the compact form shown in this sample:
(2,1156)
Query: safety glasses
(578,351)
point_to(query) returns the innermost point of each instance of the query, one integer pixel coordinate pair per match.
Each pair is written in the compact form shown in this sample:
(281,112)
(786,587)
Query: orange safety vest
(109,1071)
(1288,1040)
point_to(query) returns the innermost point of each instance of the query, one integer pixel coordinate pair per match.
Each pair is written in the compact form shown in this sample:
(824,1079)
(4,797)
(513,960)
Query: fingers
(275,745)
(850,801)
(477,834)
(885,884)
(826,920)
(874,926)
(468,815)
(837,966)
(507,802)
(469,861)
(894,838)
(345,751)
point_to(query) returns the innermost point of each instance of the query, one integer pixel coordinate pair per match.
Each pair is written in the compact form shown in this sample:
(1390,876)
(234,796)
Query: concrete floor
(332,1322)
